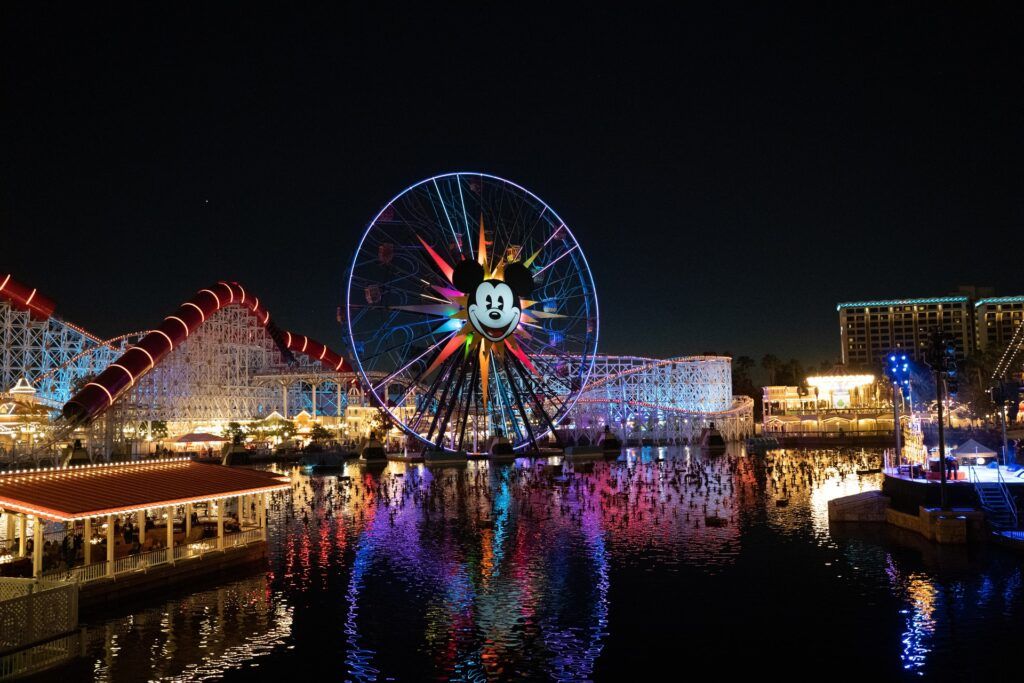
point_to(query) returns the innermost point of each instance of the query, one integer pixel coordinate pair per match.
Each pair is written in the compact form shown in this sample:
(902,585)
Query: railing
(1010,504)
(153,558)
(243,538)
(89,572)
(44,611)
(41,656)
(1004,490)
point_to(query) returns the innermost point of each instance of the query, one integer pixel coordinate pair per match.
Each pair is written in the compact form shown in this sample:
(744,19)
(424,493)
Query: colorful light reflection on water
(549,571)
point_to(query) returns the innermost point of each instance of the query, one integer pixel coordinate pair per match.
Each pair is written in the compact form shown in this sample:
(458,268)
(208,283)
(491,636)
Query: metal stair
(1000,509)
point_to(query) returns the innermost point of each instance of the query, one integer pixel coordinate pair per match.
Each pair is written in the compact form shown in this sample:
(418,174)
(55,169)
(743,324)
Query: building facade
(996,319)
(869,330)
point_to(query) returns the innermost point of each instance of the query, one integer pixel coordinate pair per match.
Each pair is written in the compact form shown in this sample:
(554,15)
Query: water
(661,560)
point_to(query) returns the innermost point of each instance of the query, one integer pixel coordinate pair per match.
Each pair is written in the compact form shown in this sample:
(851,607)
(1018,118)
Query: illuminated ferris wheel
(472,312)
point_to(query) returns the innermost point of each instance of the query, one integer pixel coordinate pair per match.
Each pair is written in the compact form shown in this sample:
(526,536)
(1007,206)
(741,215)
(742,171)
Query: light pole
(942,359)
(898,370)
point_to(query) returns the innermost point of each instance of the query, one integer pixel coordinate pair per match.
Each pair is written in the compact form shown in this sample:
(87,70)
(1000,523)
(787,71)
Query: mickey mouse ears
(518,277)
(468,274)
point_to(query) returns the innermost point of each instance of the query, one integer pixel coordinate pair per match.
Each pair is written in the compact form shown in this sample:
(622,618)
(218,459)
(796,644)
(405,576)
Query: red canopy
(97,490)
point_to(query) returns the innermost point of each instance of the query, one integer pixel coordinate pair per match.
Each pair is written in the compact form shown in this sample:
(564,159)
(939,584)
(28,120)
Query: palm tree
(743,365)
(771,364)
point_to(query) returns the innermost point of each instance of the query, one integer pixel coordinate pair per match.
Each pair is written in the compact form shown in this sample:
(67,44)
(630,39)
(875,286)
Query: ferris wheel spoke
(409,326)
(405,367)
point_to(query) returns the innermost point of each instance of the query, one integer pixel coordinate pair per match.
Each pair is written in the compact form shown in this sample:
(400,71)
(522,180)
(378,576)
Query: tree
(791,373)
(771,364)
(742,382)
(741,367)
(158,429)
(234,432)
(319,434)
(381,423)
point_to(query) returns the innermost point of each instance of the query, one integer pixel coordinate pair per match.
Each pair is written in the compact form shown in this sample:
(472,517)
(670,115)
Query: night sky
(731,175)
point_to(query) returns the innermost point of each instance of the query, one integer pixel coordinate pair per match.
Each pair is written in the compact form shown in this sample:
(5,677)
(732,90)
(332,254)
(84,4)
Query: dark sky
(731,174)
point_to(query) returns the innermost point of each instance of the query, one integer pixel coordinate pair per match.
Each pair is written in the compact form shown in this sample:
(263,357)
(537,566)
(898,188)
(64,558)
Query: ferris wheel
(471,312)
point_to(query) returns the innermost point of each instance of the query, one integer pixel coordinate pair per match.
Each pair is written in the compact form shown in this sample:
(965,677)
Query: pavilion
(135,516)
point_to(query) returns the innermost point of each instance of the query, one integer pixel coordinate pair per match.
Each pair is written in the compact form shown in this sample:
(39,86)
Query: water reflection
(520,571)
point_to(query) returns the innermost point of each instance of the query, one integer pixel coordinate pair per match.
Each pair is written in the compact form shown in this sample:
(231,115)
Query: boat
(319,461)
(373,451)
(499,446)
(608,442)
(711,439)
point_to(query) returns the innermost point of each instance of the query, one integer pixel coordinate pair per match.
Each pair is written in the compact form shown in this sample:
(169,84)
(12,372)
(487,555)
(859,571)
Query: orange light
(322,354)
(6,280)
(31,296)
(201,314)
(288,344)
(131,377)
(151,362)
(305,342)
(174,317)
(110,398)
(213,294)
(164,335)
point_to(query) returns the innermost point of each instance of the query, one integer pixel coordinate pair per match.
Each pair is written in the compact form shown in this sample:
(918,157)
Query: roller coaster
(219,357)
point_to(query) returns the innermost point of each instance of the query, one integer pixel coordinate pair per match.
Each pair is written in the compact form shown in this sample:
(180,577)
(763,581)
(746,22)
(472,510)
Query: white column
(10,531)
(284,399)
(87,536)
(261,513)
(338,405)
(110,545)
(140,521)
(170,533)
(312,386)
(221,504)
(22,535)
(37,547)
(188,522)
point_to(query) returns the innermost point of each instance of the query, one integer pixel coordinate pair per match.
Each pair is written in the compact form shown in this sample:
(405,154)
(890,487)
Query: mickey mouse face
(495,311)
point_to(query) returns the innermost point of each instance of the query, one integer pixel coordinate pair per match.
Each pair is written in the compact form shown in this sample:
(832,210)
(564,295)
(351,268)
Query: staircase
(1000,509)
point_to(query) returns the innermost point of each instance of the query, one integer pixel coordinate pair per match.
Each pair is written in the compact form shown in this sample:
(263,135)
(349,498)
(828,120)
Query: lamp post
(898,370)
(942,359)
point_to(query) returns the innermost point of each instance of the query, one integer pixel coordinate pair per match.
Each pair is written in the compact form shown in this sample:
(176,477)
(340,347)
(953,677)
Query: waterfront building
(180,510)
(834,402)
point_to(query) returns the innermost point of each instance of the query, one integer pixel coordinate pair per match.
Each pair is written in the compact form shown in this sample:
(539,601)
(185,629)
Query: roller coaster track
(101,393)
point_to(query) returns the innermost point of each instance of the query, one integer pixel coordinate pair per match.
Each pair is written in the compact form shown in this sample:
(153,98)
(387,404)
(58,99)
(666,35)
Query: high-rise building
(869,330)
(995,320)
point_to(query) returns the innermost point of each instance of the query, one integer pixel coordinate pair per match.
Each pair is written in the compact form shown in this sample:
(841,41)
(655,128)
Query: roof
(200,437)
(904,302)
(96,490)
(972,447)
(999,300)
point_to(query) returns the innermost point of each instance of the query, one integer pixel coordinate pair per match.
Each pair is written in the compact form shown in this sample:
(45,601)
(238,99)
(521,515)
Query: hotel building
(870,329)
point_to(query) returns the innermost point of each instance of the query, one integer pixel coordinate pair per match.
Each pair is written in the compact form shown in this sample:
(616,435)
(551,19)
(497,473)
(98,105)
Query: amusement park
(501,343)
(470,330)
